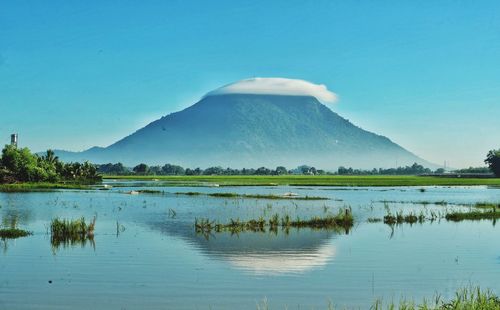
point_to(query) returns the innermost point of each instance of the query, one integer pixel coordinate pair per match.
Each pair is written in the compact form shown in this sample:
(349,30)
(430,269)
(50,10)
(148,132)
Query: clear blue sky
(74,74)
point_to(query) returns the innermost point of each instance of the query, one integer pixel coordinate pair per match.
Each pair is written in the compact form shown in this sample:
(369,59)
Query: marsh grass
(150,191)
(343,220)
(13,233)
(400,218)
(472,298)
(418,202)
(71,232)
(252,196)
(490,214)
(487,205)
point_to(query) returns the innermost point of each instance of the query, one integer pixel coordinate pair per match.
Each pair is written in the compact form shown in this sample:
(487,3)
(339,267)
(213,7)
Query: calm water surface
(146,257)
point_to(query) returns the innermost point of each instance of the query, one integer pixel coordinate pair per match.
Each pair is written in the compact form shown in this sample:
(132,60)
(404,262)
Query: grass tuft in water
(472,298)
(69,232)
(343,219)
(253,196)
(150,191)
(13,233)
(491,214)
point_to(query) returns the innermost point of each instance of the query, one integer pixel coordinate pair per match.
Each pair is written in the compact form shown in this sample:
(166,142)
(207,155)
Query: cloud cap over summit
(277,86)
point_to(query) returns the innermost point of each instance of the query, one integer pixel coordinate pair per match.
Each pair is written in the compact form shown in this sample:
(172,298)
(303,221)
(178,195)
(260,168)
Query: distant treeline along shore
(171,169)
(19,165)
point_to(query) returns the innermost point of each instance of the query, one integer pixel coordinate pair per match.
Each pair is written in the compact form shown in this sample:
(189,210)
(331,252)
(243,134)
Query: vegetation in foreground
(13,233)
(343,220)
(471,298)
(71,232)
(18,165)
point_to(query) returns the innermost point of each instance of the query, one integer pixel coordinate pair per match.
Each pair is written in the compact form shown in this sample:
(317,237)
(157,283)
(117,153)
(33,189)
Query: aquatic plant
(253,196)
(13,233)
(487,205)
(491,214)
(65,232)
(150,191)
(400,218)
(343,219)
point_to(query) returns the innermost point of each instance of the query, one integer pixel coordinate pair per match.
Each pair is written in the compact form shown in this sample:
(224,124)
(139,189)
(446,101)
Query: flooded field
(145,252)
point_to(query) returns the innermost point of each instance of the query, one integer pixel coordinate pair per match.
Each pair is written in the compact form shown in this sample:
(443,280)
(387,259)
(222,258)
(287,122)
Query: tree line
(20,165)
(492,160)
(170,169)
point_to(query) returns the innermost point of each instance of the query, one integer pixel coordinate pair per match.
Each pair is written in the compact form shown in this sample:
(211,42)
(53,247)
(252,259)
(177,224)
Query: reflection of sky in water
(158,262)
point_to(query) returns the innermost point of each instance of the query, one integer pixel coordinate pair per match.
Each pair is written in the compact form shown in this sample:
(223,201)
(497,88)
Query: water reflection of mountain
(297,251)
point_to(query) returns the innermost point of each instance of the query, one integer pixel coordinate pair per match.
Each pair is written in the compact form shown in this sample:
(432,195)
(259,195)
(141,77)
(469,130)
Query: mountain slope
(251,130)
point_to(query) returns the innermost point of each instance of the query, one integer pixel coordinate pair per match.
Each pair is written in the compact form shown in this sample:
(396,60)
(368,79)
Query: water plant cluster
(70,232)
(343,220)
(254,196)
(399,218)
(482,211)
(13,233)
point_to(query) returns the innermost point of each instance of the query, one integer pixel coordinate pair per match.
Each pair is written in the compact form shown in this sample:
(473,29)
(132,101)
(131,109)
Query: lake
(146,254)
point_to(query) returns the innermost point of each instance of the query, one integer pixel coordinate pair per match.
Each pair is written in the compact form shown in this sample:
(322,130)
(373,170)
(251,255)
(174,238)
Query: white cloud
(277,86)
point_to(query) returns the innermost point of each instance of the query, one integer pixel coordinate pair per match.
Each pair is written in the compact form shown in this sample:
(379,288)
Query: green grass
(342,220)
(13,233)
(39,187)
(487,205)
(471,298)
(492,214)
(400,218)
(465,299)
(324,180)
(489,213)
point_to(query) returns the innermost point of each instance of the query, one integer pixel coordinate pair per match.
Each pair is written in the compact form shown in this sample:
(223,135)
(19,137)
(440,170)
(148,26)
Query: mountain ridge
(253,130)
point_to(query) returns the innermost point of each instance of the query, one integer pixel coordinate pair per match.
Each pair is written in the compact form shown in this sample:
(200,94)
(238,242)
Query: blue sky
(74,74)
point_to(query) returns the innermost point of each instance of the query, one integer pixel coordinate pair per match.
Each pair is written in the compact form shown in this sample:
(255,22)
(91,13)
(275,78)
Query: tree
(141,169)
(213,171)
(169,169)
(493,161)
(113,169)
(280,170)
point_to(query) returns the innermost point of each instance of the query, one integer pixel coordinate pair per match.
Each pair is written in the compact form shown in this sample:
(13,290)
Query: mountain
(253,130)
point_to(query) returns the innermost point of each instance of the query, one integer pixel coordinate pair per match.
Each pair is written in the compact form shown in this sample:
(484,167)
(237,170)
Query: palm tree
(51,157)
